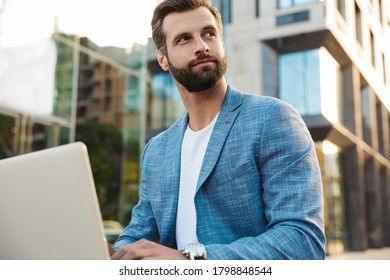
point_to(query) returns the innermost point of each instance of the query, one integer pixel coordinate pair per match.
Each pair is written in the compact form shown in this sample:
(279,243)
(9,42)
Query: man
(237,177)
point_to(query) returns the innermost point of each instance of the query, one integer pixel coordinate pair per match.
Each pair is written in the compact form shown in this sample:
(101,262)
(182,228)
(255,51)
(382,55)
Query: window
(225,8)
(292,18)
(372,46)
(329,156)
(330,83)
(108,86)
(132,94)
(311,82)
(282,4)
(341,7)
(257,8)
(358,25)
(384,68)
(347,98)
(107,103)
(366,113)
(379,123)
(81,112)
(299,81)
(380,11)
(165,104)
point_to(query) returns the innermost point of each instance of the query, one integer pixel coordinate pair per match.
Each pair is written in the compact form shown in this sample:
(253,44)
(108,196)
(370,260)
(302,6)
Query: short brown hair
(170,6)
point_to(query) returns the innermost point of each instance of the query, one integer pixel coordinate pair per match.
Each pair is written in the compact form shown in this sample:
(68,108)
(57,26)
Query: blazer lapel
(221,130)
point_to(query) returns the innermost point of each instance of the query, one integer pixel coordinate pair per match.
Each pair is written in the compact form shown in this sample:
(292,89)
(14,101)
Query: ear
(162,60)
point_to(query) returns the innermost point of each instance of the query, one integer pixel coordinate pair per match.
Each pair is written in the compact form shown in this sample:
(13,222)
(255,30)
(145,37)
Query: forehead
(187,22)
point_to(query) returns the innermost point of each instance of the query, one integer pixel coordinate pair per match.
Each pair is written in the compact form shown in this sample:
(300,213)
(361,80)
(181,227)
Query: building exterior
(330,60)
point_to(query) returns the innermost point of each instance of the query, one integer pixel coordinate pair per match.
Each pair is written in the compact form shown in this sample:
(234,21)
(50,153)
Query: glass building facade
(299,81)
(115,100)
(310,81)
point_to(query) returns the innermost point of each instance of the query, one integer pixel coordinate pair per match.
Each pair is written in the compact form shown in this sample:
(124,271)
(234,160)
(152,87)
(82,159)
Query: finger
(133,252)
(126,251)
(144,243)
(111,249)
(122,252)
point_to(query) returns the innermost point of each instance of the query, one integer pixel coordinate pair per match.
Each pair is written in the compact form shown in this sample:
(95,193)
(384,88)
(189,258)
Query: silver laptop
(49,207)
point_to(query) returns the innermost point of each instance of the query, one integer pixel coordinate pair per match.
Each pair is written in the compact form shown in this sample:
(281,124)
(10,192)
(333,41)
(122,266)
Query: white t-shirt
(192,153)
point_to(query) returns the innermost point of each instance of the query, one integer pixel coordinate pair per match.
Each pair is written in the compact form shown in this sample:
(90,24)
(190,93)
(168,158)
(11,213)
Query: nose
(201,47)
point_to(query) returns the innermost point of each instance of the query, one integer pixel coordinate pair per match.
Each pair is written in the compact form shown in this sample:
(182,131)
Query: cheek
(179,55)
(177,61)
(221,49)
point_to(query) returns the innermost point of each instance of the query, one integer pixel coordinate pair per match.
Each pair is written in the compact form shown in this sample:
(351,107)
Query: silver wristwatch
(195,251)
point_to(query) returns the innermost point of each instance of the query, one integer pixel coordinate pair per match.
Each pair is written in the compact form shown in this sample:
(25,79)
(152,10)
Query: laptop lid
(49,207)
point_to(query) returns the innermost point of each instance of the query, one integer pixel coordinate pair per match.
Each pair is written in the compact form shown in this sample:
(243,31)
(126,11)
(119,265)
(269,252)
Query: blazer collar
(225,121)
(233,100)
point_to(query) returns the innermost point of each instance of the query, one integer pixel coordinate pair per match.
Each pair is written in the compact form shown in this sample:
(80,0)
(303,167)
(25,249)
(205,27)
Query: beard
(203,79)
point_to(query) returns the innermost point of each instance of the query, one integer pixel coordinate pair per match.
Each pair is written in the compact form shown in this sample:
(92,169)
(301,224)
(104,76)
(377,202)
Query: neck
(203,106)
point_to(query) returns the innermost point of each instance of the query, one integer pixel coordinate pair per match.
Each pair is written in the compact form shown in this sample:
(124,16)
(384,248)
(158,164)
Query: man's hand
(111,249)
(147,250)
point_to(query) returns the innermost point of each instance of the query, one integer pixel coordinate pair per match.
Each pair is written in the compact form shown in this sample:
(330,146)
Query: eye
(210,34)
(183,39)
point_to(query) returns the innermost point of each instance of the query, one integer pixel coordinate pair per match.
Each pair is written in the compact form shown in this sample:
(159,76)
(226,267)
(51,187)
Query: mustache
(202,58)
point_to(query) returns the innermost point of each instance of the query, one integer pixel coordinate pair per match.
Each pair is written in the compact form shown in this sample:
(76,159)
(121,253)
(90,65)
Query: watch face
(195,250)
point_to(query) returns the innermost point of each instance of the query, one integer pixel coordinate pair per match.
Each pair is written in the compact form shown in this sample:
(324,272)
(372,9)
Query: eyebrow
(180,35)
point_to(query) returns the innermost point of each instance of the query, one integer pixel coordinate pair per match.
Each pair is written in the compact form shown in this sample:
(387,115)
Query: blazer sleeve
(292,194)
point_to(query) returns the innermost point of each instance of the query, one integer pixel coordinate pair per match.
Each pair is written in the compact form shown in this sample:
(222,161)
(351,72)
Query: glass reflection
(291,3)
(334,214)
(299,81)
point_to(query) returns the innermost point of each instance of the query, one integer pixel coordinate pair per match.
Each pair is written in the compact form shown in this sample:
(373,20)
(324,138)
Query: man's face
(195,52)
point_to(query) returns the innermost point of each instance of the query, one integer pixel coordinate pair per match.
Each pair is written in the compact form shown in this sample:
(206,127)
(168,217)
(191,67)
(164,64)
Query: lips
(202,61)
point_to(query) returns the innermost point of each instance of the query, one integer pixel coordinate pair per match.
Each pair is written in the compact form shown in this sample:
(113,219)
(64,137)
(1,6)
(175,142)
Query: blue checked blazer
(259,194)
